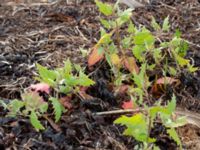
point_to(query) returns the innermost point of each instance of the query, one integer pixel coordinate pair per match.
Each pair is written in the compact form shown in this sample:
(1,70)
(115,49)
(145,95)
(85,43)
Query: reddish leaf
(166,80)
(131,65)
(65,101)
(95,57)
(128,105)
(158,88)
(42,87)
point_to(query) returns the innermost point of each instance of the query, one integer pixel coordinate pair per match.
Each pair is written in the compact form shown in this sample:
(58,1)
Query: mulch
(51,33)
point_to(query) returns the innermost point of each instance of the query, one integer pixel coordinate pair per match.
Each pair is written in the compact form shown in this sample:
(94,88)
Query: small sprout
(62,80)
(142,52)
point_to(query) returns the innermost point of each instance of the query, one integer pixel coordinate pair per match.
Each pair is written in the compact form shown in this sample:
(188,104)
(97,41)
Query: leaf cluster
(120,37)
(121,40)
(139,125)
(62,80)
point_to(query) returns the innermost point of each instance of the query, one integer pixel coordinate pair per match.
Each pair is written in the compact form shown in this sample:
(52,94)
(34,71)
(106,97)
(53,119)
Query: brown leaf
(166,80)
(130,64)
(158,88)
(65,101)
(95,56)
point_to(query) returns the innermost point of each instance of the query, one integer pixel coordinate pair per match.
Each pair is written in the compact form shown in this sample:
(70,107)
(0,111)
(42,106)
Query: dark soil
(49,34)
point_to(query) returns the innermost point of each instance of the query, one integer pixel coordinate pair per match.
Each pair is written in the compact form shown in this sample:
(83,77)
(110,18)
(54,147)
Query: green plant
(140,125)
(62,80)
(125,46)
(120,36)
(32,106)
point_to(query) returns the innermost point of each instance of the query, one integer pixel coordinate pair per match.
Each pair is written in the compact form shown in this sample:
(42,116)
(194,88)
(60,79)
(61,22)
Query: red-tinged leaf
(131,65)
(66,102)
(42,87)
(159,86)
(128,105)
(95,56)
(166,80)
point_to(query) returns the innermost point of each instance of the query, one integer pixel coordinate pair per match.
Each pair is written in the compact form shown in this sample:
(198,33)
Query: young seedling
(32,106)
(126,47)
(62,80)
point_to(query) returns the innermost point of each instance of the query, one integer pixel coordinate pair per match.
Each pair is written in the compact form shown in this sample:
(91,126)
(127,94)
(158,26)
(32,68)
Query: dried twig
(120,111)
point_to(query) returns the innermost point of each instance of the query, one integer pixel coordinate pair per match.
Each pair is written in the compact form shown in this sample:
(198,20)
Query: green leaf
(105,38)
(58,108)
(191,68)
(67,67)
(141,80)
(104,8)
(155,25)
(166,26)
(126,42)
(172,71)
(84,80)
(78,67)
(43,107)
(177,33)
(153,111)
(124,17)
(144,38)
(136,126)
(108,59)
(183,48)
(175,42)
(131,28)
(156,148)
(105,23)
(46,76)
(35,122)
(100,50)
(171,105)
(182,61)
(172,133)
(157,55)
(151,67)
(33,101)
(65,89)
(14,107)
(181,121)
(138,52)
